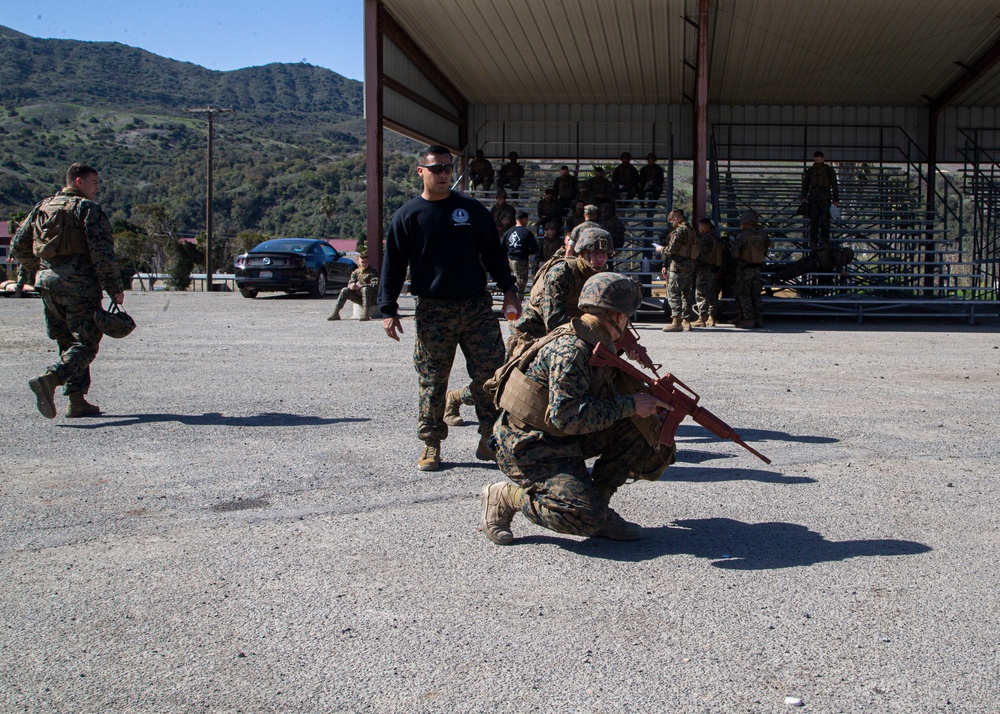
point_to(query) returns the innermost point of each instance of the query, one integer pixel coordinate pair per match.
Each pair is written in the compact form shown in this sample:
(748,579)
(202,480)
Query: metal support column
(700,117)
(373,130)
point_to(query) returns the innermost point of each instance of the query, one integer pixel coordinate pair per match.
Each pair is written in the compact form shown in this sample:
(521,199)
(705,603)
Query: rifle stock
(678,395)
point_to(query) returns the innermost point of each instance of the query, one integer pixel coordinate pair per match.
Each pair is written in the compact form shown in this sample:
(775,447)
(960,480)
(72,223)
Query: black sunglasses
(438,168)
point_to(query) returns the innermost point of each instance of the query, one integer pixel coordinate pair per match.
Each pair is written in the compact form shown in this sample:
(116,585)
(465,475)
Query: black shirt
(519,242)
(446,245)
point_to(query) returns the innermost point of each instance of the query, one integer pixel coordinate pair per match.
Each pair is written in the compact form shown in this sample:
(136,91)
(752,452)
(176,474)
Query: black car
(292,265)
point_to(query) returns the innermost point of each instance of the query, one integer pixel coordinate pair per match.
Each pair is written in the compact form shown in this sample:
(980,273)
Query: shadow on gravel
(734,545)
(695,434)
(212,419)
(678,472)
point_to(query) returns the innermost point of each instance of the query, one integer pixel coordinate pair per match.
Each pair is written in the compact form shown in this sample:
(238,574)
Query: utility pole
(211,111)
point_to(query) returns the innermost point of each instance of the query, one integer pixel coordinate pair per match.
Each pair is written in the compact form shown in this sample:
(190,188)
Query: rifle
(678,395)
(629,344)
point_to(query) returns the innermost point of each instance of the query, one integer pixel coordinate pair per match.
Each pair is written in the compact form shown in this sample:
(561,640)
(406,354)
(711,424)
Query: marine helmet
(594,238)
(114,322)
(610,291)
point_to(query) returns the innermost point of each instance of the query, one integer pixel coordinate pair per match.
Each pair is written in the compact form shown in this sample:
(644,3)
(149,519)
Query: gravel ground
(245,530)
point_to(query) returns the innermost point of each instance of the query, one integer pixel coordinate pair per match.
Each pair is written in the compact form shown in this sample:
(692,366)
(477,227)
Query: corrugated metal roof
(763,52)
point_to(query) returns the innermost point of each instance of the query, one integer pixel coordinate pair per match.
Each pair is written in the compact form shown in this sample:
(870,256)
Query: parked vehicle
(292,265)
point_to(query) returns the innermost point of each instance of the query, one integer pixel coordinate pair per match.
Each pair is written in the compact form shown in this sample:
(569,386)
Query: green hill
(288,161)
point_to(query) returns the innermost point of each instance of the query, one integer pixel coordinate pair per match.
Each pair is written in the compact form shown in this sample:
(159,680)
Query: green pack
(55,233)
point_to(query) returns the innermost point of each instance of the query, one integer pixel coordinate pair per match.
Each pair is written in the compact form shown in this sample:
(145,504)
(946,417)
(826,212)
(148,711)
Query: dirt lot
(244,529)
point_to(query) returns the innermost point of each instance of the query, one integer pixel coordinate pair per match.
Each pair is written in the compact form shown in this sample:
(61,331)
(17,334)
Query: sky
(217,34)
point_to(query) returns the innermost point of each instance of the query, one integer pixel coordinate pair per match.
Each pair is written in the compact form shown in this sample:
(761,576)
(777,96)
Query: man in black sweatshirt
(448,241)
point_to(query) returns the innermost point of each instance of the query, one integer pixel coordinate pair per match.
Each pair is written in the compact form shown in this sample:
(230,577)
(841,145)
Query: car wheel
(318,288)
(248,292)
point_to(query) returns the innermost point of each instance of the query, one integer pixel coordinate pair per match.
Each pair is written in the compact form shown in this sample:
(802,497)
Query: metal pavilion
(902,96)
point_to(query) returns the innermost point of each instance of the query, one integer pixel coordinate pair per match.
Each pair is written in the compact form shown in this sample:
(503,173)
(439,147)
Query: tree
(328,205)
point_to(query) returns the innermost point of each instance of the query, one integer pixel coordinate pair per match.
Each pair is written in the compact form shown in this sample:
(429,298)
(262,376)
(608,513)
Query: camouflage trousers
(441,326)
(706,291)
(562,495)
(69,320)
(748,289)
(519,268)
(819,217)
(365,297)
(680,293)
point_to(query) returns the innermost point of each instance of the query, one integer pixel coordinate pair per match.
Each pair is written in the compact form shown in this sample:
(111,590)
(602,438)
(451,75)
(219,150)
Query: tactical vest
(710,250)
(754,250)
(819,177)
(683,246)
(56,233)
(525,400)
(538,284)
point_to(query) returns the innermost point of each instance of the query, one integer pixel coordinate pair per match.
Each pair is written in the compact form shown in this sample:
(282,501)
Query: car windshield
(291,246)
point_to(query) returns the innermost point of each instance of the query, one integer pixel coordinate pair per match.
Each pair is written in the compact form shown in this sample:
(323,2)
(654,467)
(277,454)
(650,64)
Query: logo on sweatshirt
(460,217)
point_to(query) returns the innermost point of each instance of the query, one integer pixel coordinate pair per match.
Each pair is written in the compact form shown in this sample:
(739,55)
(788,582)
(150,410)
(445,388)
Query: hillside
(294,143)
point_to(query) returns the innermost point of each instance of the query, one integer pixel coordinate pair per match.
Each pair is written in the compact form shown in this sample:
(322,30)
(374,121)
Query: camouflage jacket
(82,274)
(582,399)
(557,303)
(680,249)
(750,246)
(366,278)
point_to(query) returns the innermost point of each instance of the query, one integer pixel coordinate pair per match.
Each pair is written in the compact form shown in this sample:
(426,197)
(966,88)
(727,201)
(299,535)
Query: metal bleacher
(909,261)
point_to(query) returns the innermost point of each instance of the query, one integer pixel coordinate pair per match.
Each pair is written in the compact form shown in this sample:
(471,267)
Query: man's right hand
(391,325)
(118,299)
(646,404)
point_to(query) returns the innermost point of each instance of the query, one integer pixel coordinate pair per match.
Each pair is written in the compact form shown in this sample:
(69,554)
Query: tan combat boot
(700,322)
(499,502)
(44,388)
(483,451)
(710,322)
(674,326)
(685,324)
(617,528)
(453,408)
(80,407)
(430,457)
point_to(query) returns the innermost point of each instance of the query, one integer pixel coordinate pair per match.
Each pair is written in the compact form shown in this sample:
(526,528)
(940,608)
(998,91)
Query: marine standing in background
(69,237)
(361,289)
(520,244)
(680,251)
(448,242)
(749,247)
(558,411)
(819,190)
(706,285)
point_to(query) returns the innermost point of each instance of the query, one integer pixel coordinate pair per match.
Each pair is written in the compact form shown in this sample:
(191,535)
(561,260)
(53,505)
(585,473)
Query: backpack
(55,232)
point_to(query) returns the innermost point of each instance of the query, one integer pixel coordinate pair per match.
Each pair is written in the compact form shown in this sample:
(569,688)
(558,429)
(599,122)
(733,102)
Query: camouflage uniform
(367,280)
(625,178)
(680,272)
(706,288)
(594,420)
(555,303)
(819,189)
(443,325)
(481,173)
(71,284)
(749,247)
(510,175)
